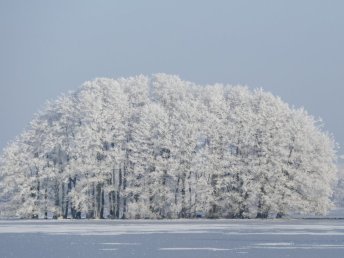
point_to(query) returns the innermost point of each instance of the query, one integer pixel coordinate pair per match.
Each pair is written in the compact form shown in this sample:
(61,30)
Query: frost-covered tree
(339,188)
(161,147)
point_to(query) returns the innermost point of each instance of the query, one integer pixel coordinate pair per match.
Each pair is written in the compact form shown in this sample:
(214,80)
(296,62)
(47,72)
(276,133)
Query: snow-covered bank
(122,227)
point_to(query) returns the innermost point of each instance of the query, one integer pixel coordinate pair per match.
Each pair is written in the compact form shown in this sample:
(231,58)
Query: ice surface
(181,238)
(193,248)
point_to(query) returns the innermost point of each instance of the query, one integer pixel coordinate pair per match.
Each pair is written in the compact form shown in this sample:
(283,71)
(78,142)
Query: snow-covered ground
(182,238)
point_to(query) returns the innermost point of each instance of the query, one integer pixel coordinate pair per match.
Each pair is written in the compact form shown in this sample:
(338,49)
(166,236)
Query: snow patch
(302,247)
(194,248)
(119,243)
(275,244)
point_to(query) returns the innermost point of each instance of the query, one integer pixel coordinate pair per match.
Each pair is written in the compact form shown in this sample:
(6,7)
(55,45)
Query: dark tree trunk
(57,200)
(91,210)
(118,194)
(280,215)
(98,200)
(262,215)
(63,200)
(124,210)
(102,205)
(183,210)
(46,204)
(67,198)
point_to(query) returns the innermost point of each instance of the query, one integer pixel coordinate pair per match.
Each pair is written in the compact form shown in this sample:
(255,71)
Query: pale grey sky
(292,48)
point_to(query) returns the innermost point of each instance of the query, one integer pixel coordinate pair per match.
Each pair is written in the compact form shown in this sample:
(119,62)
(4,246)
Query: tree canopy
(160,147)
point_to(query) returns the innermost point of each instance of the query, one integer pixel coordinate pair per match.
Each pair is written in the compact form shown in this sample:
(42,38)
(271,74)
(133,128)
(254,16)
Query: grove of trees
(159,147)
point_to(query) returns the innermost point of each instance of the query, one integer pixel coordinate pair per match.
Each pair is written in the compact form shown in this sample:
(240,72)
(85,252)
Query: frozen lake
(181,238)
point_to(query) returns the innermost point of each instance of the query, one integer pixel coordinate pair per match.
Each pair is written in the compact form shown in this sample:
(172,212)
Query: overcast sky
(295,49)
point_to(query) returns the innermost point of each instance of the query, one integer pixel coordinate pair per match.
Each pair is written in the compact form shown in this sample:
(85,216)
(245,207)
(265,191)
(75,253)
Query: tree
(160,147)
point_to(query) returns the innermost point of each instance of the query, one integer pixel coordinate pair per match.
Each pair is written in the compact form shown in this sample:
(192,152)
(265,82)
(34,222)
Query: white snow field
(172,238)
